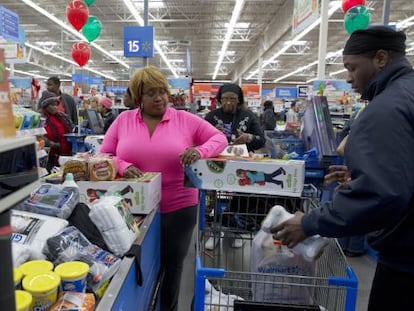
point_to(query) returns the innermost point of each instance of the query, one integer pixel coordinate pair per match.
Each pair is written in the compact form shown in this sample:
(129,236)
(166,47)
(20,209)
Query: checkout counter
(136,284)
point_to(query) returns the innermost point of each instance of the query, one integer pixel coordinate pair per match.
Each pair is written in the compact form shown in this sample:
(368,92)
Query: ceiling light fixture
(72,31)
(140,21)
(27,73)
(405,22)
(234,17)
(310,80)
(296,71)
(67,60)
(410,49)
(334,7)
(334,73)
(328,55)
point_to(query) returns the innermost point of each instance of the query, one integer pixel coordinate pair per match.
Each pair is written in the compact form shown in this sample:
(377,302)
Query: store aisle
(364,268)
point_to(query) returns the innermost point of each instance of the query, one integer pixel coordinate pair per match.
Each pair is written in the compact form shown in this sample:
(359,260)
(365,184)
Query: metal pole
(6,268)
(260,64)
(323,39)
(145,59)
(386,12)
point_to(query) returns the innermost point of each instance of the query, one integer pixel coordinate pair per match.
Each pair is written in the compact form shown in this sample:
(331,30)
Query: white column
(323,39)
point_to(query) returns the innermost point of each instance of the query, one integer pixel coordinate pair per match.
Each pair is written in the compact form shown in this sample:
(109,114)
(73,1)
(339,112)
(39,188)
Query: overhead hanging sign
(87,79)
(286,92)
(305,12)
(139,41)
(303,91)
(9,24)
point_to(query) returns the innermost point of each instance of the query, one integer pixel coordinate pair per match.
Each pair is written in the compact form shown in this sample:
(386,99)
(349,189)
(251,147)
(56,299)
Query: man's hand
(340,175)
(290,232)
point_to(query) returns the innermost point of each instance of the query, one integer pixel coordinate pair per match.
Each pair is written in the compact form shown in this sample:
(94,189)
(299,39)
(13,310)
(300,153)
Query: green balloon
(92,29)
(356,18)
(89,2)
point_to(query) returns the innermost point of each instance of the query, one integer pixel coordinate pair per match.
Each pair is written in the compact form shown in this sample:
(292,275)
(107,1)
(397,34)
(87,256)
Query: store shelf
(31,132)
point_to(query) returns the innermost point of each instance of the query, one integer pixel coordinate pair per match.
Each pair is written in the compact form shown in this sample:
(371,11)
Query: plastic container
(73,276)
(69,181)
(36,266)
(23,300)
(17,277)
(43,287)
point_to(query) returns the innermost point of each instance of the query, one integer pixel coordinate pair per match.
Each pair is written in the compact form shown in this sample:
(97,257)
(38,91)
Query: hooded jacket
(379,199)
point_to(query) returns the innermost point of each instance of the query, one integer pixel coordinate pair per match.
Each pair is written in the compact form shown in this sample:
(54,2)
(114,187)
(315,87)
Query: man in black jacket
(67,103)
(379,197)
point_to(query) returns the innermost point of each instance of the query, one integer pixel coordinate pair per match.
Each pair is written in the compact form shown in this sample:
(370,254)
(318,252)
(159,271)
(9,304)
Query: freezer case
(136,286)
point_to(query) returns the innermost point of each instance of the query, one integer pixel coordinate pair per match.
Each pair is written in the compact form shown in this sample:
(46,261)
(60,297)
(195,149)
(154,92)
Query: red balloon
(77,13)
(347,4)
(81,53)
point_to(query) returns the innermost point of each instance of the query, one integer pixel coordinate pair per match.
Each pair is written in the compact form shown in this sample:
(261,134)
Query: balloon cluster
(356,16)
(77,13)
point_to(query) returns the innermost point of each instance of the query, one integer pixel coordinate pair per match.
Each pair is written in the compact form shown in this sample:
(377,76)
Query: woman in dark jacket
(57,125)
(269,116)
(239,125)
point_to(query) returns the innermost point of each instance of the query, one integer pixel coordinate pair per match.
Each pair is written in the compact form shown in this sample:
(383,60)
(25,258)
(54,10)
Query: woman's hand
(243,138)
(132,172)
(340,175)
(189,156)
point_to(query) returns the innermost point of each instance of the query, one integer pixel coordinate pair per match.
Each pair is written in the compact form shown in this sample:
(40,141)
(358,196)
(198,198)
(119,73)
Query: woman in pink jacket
(157,138)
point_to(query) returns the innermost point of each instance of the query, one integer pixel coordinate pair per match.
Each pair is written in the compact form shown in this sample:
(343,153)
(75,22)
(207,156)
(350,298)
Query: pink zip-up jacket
(128,139)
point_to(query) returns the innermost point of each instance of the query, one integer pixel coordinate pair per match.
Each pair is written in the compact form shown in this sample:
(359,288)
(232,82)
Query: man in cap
(379,197)
(105,109)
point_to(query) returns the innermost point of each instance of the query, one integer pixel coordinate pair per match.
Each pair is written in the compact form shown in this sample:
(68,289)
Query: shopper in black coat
(269,116)
(241,126)
(379,197)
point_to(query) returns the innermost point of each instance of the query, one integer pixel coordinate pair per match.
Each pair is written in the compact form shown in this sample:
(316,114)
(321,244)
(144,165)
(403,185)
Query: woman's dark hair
(230,87)
(267,104)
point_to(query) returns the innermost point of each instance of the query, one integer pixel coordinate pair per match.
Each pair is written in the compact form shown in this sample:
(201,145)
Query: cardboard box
(270,176)
(142,194)
(94,143)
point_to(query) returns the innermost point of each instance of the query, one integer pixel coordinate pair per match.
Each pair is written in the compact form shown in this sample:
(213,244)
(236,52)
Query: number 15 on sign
(133,46)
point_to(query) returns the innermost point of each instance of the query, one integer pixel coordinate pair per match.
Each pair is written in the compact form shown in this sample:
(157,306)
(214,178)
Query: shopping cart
(227,269)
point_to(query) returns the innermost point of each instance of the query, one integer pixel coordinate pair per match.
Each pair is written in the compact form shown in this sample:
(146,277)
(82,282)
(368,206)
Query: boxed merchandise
(273,177)
(142,194)
(93,143)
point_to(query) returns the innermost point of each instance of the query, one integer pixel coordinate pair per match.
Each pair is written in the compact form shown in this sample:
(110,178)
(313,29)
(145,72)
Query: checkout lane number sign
(139,41)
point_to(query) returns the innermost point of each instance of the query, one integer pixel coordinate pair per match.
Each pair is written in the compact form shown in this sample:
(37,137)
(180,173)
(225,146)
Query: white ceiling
(199,28)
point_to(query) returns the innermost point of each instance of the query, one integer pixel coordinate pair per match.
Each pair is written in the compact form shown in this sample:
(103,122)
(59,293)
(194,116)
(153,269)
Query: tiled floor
(364,268)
